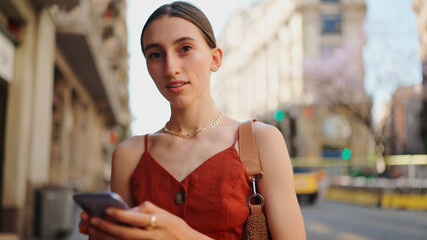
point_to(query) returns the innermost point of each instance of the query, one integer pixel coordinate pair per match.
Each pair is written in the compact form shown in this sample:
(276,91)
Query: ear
(216,59)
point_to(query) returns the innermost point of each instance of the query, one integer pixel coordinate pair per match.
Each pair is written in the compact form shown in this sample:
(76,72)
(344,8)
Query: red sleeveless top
(212,199)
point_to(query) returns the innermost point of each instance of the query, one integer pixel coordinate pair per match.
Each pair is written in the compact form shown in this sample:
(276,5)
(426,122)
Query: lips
(177,86)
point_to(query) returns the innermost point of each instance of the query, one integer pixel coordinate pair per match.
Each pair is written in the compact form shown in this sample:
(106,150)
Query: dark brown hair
(188,12)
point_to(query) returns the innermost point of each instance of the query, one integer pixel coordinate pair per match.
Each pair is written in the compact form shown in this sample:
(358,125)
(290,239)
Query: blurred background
(345,81)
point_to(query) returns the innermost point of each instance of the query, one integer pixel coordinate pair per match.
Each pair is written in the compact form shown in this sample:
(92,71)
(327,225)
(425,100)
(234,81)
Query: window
(331,23)
(331,151)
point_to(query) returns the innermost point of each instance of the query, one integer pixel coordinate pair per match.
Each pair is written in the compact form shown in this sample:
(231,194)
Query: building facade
(420,8)
(266,49)
(63,99)
(404,122)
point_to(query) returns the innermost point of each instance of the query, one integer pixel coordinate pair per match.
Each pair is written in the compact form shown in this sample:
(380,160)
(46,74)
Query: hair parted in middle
(188,12)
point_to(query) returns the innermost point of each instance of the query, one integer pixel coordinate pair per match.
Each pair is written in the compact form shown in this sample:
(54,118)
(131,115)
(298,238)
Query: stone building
(63,100)
(265,49)
(420,8)
(403,125)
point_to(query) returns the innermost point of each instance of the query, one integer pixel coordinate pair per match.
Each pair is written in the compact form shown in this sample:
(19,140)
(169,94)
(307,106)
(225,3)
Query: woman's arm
(277,186)
(125,158)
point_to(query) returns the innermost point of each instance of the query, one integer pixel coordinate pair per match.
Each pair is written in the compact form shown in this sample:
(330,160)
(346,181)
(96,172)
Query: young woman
(187,180)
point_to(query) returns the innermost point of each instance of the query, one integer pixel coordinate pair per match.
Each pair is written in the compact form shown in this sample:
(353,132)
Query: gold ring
(153,220)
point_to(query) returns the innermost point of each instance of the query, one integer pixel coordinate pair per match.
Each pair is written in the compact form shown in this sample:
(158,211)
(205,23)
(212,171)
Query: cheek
(200,63)
(155,71)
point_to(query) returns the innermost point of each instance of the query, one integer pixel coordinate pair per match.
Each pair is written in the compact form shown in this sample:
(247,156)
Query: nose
(173,65)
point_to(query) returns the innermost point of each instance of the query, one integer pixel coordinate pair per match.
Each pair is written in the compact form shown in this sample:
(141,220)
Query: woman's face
(179,60)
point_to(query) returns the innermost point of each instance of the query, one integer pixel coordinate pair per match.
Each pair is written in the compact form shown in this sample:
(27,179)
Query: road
(329,221)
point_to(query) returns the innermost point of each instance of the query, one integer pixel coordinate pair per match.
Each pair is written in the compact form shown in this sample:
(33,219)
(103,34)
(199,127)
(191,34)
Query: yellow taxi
(306,184)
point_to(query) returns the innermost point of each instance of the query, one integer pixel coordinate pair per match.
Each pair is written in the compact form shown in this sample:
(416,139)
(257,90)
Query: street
(328,221)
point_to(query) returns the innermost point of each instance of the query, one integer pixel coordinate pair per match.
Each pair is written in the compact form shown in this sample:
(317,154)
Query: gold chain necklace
(189,135)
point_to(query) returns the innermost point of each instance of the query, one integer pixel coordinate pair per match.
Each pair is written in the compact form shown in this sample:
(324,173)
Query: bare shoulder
(266,133)
(129,150)
(125,158)
(271,146)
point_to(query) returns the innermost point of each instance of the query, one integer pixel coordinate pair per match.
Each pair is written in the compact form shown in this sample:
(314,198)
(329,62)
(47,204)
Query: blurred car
(306,184)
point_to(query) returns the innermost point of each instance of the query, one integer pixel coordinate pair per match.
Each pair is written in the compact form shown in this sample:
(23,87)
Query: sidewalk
(385,193)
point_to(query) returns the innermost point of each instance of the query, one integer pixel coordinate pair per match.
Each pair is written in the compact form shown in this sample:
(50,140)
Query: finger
(133,218)
(107,230)
(135,209)
(96,234)
(149,207)
(84,216)
(83,224)
(83,227)
(99,229)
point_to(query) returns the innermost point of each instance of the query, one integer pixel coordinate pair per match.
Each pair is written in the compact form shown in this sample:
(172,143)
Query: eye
(154,55)
(186,48)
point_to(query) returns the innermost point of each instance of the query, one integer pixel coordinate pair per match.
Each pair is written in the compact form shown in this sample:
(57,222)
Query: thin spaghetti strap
(236,138)
(146,142)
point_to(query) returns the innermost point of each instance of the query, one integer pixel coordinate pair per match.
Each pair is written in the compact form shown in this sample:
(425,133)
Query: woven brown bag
(256,227)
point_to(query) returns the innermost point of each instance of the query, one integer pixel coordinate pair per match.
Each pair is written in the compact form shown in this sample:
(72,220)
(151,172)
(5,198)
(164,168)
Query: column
(42,100)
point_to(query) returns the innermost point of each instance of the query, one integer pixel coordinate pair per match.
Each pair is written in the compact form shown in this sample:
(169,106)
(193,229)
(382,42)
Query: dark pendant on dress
(180,197)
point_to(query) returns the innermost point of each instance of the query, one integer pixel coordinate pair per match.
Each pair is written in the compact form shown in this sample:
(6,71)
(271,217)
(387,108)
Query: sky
(391,53)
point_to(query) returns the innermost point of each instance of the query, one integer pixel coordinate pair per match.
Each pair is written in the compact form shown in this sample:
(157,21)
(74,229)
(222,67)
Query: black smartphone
(95,203)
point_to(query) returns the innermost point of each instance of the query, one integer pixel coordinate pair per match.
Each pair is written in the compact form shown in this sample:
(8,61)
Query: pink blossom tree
(335,81)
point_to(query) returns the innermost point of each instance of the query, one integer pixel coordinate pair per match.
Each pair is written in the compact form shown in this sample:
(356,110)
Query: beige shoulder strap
(248,149)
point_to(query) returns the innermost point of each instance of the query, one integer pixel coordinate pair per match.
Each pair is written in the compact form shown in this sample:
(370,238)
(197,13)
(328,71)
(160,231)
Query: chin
(179,103)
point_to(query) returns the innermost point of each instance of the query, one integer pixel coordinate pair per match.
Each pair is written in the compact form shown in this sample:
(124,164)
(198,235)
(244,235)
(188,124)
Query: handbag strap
(250,159)
(249,150)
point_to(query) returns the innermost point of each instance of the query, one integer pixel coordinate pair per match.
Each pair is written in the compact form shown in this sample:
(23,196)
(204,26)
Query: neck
(189,119)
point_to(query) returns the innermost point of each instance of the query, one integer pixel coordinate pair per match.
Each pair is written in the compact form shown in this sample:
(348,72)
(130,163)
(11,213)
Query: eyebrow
(154,45)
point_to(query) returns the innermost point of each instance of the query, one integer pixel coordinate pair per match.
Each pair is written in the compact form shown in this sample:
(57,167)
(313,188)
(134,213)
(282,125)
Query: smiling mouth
(176,85)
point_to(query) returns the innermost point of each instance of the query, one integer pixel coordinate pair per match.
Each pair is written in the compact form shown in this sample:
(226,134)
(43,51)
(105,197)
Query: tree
(336,81)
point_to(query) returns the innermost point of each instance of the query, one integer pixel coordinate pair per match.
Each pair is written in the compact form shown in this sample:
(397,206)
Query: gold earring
(213,69)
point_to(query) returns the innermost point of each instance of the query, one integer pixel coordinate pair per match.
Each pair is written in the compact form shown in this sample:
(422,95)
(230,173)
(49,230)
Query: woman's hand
(84,223)
(145,222)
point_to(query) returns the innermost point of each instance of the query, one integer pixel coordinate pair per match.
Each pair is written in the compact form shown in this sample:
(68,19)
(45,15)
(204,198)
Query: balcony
(79,38)
(63,4)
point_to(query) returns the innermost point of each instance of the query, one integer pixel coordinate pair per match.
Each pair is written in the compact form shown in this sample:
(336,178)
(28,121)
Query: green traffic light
(346,154)
(279,115)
